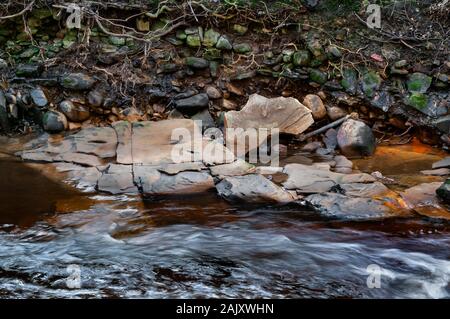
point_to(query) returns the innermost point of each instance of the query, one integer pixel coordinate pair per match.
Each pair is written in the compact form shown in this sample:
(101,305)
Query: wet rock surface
(252,189)
(356,139)
(318,179)
(339,206)
(138,158)
(54,121)
(444,191)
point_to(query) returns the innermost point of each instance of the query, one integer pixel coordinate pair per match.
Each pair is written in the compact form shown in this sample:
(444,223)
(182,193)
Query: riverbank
(171,62)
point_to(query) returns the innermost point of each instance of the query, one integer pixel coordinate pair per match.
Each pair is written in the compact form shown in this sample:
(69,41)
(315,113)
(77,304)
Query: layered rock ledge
(145,158)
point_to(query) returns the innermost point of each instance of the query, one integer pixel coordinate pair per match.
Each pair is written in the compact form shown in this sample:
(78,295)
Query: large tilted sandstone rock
(286,114)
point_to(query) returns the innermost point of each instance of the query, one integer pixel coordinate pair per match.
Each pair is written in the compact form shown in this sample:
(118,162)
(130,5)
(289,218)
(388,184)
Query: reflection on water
(203,247)
(403,163)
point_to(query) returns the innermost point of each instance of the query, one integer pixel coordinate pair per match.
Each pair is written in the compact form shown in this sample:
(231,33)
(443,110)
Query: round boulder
(74,112)
(54,122)
(315,104)
(356,139)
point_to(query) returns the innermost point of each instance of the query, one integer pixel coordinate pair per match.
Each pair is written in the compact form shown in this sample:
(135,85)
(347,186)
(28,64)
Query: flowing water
(121,246)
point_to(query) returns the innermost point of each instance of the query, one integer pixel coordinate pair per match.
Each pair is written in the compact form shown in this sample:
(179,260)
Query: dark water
(202,247)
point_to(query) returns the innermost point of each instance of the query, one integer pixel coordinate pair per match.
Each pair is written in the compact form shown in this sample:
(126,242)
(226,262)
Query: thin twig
(18,14)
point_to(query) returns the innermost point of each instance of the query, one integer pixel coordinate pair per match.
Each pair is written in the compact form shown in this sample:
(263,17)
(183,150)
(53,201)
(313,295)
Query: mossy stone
(213,68)
(240,29)
(316,49)
(70,38)
(349,80)
(212,54)
(242,48)
(318,76)
(23,37)
(143,25)
(418,100)
(223,43)
(301,58)
(444,191)
(244,75)
(334,52)
(174,41)
(117,41)
(28,53)
(193,40)
(371,82)
(418,83)
(34,22)
(196,63)
(29,70)
(210,38)
(159,25)
(181,35)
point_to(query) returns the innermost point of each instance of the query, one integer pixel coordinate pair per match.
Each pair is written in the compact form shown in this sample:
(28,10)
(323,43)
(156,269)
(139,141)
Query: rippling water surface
(203,247)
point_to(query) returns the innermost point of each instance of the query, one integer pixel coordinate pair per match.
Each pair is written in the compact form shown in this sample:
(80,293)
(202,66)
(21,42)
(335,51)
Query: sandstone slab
(237,168)
(337,206)
(252,188)
(313,179)
(117,179)
(152,182)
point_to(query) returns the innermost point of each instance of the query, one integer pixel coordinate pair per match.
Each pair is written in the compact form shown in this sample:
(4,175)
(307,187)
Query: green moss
(117,41)
(240,29)
(418,82)
(349,80)
(223,43)
(210,38)
(193,40)
(301,58)
(181,35)
(318,76)
(212,54)
(418,100)
(370,83)
(242,48)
